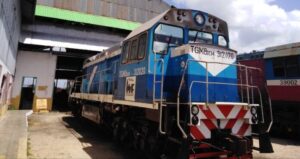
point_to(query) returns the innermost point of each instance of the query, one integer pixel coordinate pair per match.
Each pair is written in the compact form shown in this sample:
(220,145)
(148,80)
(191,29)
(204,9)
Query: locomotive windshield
(166,35)
(222,41)
(200,37)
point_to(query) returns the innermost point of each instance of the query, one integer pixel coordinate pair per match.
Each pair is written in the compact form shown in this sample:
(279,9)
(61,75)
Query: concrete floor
(13,135)
(59,135)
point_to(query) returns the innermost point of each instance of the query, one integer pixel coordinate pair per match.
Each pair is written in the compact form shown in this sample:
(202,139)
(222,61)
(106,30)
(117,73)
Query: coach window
(133,51)
(125,54)
(200,37)
(278,67)
(292,66)
(142,46)
(166,35)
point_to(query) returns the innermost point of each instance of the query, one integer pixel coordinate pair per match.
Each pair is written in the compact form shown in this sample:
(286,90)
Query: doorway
(61,94)
(27,92)
(67,69)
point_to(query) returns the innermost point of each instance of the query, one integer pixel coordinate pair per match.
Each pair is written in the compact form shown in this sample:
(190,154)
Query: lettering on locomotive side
(226,54)
(136,72)
(213,56)
(139,71)
(202,50)
(288,82)
(124,73)
(284,82)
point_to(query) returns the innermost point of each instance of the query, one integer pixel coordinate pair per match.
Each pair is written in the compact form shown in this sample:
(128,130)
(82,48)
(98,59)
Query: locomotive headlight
(199,18)
(195,120)
(195,110)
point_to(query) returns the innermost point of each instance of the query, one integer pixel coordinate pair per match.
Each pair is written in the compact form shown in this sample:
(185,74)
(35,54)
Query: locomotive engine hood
(201,65)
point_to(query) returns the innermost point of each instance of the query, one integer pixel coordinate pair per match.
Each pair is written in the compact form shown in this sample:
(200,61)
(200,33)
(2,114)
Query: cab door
(165,81)
(132,72)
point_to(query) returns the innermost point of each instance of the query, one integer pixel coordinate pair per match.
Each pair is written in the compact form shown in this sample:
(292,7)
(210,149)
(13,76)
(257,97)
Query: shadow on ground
(281,141)
(96,142)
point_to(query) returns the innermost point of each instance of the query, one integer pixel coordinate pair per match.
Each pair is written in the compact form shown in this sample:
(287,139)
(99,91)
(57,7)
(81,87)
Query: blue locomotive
(171,89)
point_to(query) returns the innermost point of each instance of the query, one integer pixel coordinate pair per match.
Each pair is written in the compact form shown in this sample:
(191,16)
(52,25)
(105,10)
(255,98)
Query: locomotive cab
(148,52)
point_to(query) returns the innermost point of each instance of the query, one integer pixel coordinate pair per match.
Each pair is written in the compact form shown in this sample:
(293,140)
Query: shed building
(62,34)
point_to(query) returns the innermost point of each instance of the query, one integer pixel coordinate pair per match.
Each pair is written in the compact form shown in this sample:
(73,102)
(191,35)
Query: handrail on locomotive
(78,79)
(157,61)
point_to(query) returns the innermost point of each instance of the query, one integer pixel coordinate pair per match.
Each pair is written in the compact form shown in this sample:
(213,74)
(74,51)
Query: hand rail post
(247,83)
(207,97)
(154,79)
(241,78)
(161,97)
(178,101)
(252,84)
(161,90)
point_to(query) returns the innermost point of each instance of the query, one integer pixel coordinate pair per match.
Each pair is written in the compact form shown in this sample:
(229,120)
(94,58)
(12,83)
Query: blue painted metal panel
(173,70)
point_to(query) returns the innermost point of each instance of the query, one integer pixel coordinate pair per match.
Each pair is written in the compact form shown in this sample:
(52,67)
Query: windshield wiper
(170,39)
(195,38)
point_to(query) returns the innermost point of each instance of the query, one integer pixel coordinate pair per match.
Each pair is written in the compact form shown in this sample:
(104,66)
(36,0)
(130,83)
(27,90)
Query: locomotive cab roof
(112,51)
(173,16)
(184,18)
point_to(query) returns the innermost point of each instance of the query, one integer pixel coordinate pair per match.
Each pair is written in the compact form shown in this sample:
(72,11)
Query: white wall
(10,24)
(39,65)
(3,70)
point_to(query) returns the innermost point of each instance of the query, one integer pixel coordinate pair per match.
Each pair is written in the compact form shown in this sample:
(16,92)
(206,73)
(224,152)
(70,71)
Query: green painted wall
(56,13)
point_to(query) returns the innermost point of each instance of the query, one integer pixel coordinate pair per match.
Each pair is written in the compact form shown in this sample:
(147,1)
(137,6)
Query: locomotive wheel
(142,144)
(115,132)
(116,129)
(124,131)
(136,137)
(76,109)
(151,144)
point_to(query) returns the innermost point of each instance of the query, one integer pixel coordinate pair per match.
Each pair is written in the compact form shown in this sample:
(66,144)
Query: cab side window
(165,36)
(135,49)
(125,55)
(142,46)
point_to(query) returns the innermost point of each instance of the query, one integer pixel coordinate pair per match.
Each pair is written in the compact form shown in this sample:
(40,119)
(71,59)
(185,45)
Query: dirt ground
(60,135)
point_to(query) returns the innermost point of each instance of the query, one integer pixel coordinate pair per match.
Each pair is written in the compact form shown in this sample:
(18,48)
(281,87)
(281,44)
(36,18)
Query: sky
(253,24)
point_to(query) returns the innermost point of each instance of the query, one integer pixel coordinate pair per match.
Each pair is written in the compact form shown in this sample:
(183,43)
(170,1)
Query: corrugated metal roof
(282,50)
